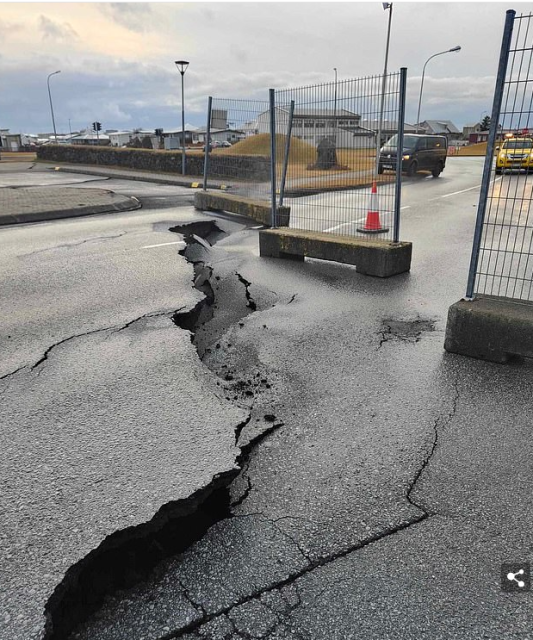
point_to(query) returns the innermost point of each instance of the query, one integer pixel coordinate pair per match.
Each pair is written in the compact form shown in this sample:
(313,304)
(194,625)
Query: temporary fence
(502,255)
(327,145)
(238,149)
(316,150)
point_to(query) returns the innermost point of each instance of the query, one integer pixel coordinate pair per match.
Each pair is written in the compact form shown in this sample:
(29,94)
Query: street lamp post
(386,5)
(51,106)
(458,48)
(335,108)
(335,95)
(182,68)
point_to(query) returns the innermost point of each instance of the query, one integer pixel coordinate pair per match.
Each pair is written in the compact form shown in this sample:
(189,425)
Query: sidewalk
(38,204)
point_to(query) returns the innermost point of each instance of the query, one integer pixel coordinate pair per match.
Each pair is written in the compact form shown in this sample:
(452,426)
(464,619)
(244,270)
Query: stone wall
(253,168)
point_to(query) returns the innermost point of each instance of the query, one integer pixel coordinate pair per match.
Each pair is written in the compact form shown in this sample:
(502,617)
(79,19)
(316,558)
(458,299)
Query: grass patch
(303,156)
(18,156)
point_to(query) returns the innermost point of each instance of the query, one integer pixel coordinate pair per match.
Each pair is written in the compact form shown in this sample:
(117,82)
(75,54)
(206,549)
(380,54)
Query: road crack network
(111,329)
(439,424)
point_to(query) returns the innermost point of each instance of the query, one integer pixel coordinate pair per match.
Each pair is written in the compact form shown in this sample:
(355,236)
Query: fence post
(489,158)
(207,141)
(399,153)
(286,158)
(272,105)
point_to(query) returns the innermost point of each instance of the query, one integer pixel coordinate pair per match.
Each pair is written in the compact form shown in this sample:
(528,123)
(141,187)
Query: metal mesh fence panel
(502,257)
(239,150)
(327,137)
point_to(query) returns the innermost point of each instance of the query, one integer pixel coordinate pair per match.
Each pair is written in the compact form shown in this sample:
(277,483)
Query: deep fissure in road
(128,556)
(121,562)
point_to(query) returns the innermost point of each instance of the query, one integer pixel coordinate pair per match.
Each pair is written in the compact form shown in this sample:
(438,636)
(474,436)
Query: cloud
(135,17)
(55,31)
(9,28)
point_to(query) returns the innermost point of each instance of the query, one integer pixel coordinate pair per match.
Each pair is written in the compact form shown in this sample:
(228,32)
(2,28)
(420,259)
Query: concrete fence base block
(371,256)
(256,209)
(495,329)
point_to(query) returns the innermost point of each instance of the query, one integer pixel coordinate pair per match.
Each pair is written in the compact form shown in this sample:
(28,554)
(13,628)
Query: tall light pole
(51,106)
(182,68)
(457,48)
(386,5)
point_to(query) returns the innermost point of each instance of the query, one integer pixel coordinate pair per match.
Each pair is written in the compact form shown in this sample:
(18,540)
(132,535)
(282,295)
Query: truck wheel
(437,171)
(412,168)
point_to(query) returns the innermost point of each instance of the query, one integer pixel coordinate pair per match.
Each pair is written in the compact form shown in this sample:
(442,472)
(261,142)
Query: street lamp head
(457,48)
(182,65)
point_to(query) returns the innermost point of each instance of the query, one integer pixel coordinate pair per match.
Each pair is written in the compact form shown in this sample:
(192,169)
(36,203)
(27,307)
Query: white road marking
(462,191)
(407,206)
(345,224)
(478,186)
(163,244)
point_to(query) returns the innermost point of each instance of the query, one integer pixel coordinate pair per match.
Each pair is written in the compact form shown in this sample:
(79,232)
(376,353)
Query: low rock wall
(224,167)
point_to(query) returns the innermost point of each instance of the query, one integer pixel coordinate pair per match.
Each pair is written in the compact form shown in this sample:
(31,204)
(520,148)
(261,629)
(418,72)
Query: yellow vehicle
(515,153)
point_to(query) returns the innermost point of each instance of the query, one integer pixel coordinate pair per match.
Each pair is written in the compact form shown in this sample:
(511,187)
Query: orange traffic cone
(373,224)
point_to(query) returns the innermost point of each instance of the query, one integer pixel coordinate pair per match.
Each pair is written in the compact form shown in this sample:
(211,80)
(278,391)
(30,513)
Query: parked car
(515,153)
(225,143)
(420,152)
(215,144)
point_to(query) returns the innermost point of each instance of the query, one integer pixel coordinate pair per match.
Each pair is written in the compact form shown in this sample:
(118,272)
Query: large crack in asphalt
(214,503)
(190,629)
(128,556)
(256,595)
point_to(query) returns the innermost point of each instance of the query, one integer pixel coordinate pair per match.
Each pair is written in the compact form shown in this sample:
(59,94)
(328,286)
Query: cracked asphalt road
(399,480)
(398,477)
(108,415)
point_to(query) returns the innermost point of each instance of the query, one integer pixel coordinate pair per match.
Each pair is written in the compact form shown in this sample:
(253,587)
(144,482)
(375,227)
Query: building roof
(90,136)
(440,126)
(386,125)
(317,113)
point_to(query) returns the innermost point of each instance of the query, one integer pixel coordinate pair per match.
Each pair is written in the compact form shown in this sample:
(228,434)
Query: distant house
(439,127)
(228,134)
(312,125)
(10,141)
(479,136)
(172,137)
(90,138)
(468,129)
(122,138)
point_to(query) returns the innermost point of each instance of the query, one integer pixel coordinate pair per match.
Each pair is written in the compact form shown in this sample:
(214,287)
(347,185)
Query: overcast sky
(117,59)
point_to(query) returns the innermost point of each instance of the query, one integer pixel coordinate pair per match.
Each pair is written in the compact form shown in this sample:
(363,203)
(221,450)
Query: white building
(90,138)
(122,138)
(313,125)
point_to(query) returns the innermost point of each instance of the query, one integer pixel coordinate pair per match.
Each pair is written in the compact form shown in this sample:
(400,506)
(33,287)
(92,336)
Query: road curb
(129,203)
(193,182)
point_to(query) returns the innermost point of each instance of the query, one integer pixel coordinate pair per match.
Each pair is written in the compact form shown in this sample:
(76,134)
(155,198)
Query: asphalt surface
(108,415)
(397,481)
(37,196)
(393,479)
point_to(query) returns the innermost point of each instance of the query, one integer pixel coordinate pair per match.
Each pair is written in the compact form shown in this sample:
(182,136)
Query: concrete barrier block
(494,329)
(256,209)
(373,257)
